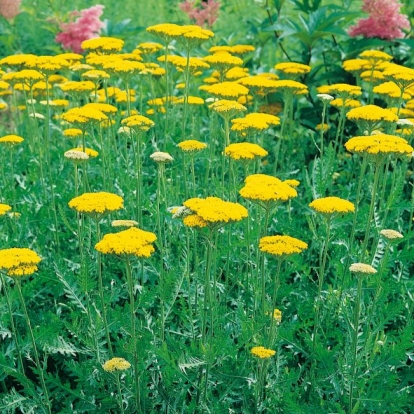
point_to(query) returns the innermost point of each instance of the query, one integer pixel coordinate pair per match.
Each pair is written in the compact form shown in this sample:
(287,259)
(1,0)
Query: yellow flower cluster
(223,61)
(103,44)
(195,221)
(379,144)
(130,242)
(124,223)
(259,85)
(192,145)
(344,90)
(345,103)
(4,208)
(214,210)
(227,108)
(11,140)
(291,86)
(293,68)
(72,132)
(77,86)
(254,122)
(281,245)
(262,352)
(390,89)
(88,151)
(371,113)
(19,261)
(97,203)
(261,187)
(245,151)
(332,205)
(116,364)
(82,116)
(225,90)
(138,122)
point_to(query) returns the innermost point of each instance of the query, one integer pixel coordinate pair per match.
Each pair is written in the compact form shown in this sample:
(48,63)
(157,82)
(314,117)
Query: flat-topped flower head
(17,61)
(191,146)
(281,246)
(379,146)
(262,352)
(19,261)
(401,75)
(332,205)
(77,87)
(259,85)
(103,107)
(288,86)
(371,113)
(48,65)
(362,269)
(124,223)
(245,151)
(215,211)
(223,61)
(253,123)
(76,157)
(355,66)
(148,47)
(227,108)
(97,204)
(344,90)
(4,208)
(266,189)
(72,132)
(91,153)
(292,69)
(124,68)
(26,76)
(374,57)
(83,116)
(391,89)
(194,221)
(225,90)
(345,103)
(131,242)
(191,100)
(11,140)
(391,234)
(138,123)
(241,49)
(165,31)
(103,45)
(116,364)
(161,157)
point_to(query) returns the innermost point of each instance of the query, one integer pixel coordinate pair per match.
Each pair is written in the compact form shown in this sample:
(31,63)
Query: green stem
(186,89)
(274,302)
(207,305)
(120,399)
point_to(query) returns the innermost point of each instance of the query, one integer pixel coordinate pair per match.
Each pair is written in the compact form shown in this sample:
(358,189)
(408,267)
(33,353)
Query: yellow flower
(234,74)
(293,68)
(320,127)
(291,86)
(227,108)
(4,208)
(277,315)
(103,44)
(124,223)
(116,364)
(79,87)
(344,90)
(372,75)
(193,220)
(62,103)
(96,203)
(149,47)
(225,90)
(88,151)
(254,122)
(242,49)
(70,57)
(130,242)
(124,68)
(262,352)
(332,205)
(192,100)
(17,61)
(375,56)
(11,140)
(355,65)
(19,261)
(346,103)
(214,210)
(223,61)
(165,31)
(245,151)
(192,145)
(48,64)
(292,183)
(281,245)
(261,187)
(95,74)
(72,132)
(138,122)
(26,76)
(371,113)
(81,116)
(390,89)
(259,84)
(103,107)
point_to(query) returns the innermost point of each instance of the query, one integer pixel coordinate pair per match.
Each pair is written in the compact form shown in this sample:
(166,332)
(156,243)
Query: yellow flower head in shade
(130,242)
(70,57)
(138,122)
(59,103)
(214,210)
(390,89)
(26,76)
(293,68)
(225,90)
(379,145)
(355,65)
(277,315)
(77,87)
(332,205)
(220,49)
(194,221)
(124,223)
(72,132)
(124,68)
(4,208)
(259,84)
(88,151)
(362,269)
(372,76)
(344,90)
(192,145)
(149,47)
(235,73)
(96,203)
(262,352)
(11,140)
(103,107)
(375,57)
(245,151)
(103,44)
(95,74)
(370,116)
(116,364)
(242,49)
(391,234)
(254,122)
(345,103)
(180,62)
(19,261)
(81,116)
(281,245)
(227,108)
(261,187)
(291,86)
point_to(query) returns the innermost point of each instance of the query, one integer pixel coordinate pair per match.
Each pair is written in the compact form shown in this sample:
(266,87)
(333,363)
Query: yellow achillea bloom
(347,103)
(180,63)
(138,122)
(391,234)
(220,49)
(380,144)
(4,208)
(291,86)
(116,364)
(192,100)
(261,187)
(223,61)
(83,116)
(254,122)
(103,107)
(225,90)
(95,74)
(242,49)
(149,47)
(193,220)
(293,68)
(292,183)
(165,31)
(17,61)
(402,76)
(75,86)
(245,151)
(48,64)
(19,261)
(124,68)
(342,89)
(390,89)
(27,76)
(281,245)
(62,103)
(371,113)
(226,107)
(355,65)
(332,205)
(262,352)
(277,315)
(130,242)
(72,132)
(259,85)
(235,73)
(89,151)
(192,145)
(103,44)
(214,210)
(11,140)
(124,223)
(362,269)
(375,56)
(97,203)
(71,57)
(372,76)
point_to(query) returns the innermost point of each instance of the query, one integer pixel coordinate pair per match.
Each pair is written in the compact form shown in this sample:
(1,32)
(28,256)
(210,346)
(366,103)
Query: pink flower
(385,20)
(9,8)
(207,14)
(86,26)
